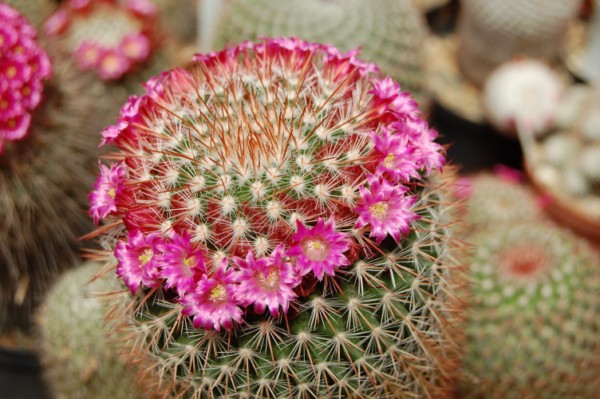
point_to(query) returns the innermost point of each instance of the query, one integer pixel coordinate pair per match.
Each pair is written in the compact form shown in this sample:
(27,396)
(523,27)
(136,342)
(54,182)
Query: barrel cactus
(276,212)
(46,173)
(391,32)
(492,32)
(110,37)
(534,325)
(78,356)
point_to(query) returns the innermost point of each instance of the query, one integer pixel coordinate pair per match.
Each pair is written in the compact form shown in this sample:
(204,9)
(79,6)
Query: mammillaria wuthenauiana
(47,155)
(276,213)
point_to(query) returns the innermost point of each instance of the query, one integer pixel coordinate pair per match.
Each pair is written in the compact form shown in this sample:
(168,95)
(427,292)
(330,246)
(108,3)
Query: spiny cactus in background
(495,199)
(35,11)
(523,96)
(429,5)
(492,32)
(79,359)
(275,212)
(534,325)
(390,32)
(44,175)
(110,37)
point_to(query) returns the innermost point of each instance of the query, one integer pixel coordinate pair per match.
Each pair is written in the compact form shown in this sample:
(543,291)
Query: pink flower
(139,260)
(113,64)
(15,128)
(106,189)
(57,23)
(213,303)
(320,249)
(11,105)
(508,174)
(387,93)
(136,47)
(112,132)
(183,263)
(142,8)
(396,157)
(430,155)
(88,56)
(8,37)
(267,282)
(385,208)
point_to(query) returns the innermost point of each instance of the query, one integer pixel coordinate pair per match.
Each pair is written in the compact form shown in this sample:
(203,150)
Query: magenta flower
(396,157)
(320,249)
(88,56)
(141,7)
(213,303)
(183,263)
(385,208)
(23,68)
(139,260)
(113,64)
(106,188)
(267,282)
(136,47)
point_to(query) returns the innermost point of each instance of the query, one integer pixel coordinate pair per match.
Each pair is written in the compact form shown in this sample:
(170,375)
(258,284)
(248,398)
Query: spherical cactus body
(390,32)
(276,212)
(533,329)
(492,32)
(35,11)
(78,356)
(46,161)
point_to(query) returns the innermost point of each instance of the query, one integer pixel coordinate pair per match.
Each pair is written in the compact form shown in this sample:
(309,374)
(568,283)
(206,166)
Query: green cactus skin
(390,32)
(534,326)
(78,357)
(384,335)
(44,181)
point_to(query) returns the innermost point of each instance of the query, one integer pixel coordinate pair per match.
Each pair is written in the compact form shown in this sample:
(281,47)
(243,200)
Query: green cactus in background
(494,200)
(533,329)
(78,357)
(277,214)
(390,32)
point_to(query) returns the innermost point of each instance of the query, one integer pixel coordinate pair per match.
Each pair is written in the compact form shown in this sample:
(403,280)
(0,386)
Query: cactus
(523,96)
(391,32)
(494,200)
(276,212)
(44,175)
(110,37)
(78,357)
(492,32)
(534,325)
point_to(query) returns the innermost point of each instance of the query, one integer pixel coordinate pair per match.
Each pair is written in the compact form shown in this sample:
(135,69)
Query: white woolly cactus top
(522,95)
(258,169)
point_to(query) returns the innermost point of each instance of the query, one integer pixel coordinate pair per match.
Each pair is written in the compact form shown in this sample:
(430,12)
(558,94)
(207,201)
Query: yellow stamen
(387,162)
(217,294)
(145,257)
(112,192)
(379,210)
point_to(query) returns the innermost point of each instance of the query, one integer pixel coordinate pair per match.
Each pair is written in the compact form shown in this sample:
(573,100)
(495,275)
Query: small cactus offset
(46,163)
(276,212)
(391,32)
(534,325)
(78,357)
(492,32)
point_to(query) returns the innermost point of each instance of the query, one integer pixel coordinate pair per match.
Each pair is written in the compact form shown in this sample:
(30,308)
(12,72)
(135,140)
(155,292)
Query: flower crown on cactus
(108,36)
(24,65)
(275,212)
(263,167)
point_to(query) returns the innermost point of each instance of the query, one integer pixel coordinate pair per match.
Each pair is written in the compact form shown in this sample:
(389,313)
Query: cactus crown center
(525,261)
